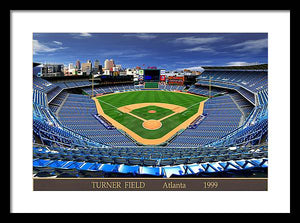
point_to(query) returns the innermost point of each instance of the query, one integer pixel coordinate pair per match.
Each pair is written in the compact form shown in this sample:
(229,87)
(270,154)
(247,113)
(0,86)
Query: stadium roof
(251,67)
(35,64)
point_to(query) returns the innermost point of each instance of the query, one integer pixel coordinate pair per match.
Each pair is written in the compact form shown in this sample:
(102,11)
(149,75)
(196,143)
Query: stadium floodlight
(92,85)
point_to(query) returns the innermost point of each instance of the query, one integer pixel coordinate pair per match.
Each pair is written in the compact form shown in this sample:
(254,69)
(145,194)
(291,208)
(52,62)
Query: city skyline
(170,51)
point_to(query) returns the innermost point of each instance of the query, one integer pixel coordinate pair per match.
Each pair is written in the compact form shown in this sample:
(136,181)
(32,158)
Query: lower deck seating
(222,117)
(171,87)
(77,114)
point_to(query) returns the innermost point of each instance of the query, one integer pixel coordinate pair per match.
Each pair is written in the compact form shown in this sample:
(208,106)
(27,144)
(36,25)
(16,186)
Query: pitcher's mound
(152,124)
(151,111)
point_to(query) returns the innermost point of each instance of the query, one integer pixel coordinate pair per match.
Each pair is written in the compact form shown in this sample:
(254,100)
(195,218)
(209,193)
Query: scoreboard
(151,78)
(175,80)
(151,75)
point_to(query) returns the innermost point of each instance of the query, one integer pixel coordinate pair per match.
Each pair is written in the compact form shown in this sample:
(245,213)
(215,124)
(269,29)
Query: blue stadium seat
(173,171)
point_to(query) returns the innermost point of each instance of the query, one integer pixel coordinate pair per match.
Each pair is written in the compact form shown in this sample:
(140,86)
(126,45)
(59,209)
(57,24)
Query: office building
(86,68)
(109,64)
(77,64)
(52,70)
(71,66)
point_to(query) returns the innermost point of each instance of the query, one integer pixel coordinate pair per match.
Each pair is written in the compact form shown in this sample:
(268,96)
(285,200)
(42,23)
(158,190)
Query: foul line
(108,104)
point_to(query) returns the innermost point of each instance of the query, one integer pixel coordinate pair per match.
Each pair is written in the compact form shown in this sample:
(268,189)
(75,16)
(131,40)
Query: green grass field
(159,112)
(151,84)
(110,103)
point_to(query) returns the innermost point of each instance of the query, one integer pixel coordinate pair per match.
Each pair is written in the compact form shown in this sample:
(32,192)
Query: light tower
(92,84)
(209,90)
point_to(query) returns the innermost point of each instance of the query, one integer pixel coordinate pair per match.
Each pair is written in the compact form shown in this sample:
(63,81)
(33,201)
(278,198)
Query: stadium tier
(112,88)
(42,85)
(77,113)
(222,117)
(150,162)
(205,90)
(252,80)
(229,138)
(128,87)
(72,84)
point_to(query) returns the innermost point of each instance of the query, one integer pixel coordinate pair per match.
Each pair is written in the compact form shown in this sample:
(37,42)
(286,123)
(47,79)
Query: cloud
(198,49)
(81,35)
(85,34)
(58,43)
(194,62)
(136,55)
(124,54)
(43,48)
(251,45)
(240,64)
(144,36)
(196,68)
(201,42)
(192,40)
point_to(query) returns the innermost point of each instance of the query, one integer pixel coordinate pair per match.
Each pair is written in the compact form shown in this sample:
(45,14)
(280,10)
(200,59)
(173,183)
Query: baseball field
(150,117)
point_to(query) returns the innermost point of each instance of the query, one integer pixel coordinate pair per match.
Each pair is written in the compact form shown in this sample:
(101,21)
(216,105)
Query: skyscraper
(96,67)
(71,66)
(109,64)
(96,63)
(86,67)
(77,64)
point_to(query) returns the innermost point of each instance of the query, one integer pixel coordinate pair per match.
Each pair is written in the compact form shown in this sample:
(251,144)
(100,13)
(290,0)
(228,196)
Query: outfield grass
(110,103)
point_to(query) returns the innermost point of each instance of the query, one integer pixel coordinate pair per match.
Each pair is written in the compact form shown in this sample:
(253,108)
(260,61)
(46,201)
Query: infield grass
(159,112)
(110,103)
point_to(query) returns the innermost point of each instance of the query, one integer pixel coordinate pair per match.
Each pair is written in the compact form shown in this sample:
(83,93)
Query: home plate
(152,124)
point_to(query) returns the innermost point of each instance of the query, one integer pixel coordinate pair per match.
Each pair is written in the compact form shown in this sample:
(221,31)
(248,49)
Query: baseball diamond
(129,111)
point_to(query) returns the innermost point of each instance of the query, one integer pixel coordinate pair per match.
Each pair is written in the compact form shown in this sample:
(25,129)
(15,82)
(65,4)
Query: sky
(170,51)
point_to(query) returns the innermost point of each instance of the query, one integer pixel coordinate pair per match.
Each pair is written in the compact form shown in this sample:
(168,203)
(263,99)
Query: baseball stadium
(214,126)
